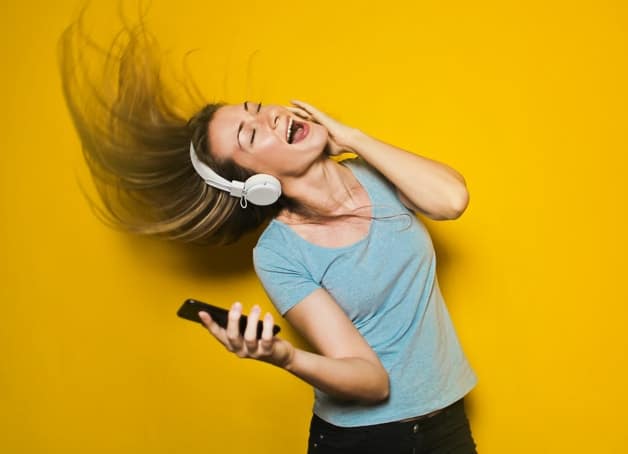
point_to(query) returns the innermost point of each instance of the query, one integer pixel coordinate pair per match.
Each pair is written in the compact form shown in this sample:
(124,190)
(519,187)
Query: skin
(305,172)
(344,365)
(270,151)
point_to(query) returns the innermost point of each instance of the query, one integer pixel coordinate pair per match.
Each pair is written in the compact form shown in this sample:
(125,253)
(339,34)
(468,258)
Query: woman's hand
(268,349)
(340,135)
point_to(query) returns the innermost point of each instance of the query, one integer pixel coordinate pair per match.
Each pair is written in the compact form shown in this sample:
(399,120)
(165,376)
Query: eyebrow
(240,127)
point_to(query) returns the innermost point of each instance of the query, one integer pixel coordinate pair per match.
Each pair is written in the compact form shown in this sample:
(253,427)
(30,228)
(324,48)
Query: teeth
(288,131)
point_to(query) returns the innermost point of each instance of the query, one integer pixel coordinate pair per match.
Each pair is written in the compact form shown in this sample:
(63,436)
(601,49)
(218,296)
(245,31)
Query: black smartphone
(190,308)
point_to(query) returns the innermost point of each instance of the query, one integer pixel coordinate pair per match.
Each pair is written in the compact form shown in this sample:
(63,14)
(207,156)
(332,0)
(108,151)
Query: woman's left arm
(424,185)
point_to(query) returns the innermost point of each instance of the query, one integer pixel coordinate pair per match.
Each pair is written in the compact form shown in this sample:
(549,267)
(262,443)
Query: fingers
(213,327)
(305,106)
(266,341)
(250,333)
(310,109)
(245,345)
(205,318)
(315,114)
(234,339)
(300,112)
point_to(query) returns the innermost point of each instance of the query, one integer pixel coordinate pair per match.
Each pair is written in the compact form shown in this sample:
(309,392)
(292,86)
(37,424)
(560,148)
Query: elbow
(372,388)
(380,390)
(452,207)
(384,391)
(459,204)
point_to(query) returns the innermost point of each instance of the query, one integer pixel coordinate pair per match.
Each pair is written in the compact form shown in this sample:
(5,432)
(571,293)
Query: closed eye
(253,135)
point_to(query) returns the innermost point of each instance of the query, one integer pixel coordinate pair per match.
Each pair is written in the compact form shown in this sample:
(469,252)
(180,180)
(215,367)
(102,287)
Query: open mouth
(297,131)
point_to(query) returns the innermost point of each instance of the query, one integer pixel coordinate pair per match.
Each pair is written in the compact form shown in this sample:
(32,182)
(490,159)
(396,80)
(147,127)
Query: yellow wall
(526,99)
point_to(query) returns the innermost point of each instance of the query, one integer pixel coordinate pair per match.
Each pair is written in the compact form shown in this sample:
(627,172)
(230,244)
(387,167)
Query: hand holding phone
(244,337)
(191,307)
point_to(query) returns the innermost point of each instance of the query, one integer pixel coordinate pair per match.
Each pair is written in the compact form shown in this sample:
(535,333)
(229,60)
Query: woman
(342,256)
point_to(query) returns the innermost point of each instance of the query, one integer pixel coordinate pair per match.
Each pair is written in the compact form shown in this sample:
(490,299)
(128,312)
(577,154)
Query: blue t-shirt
(386,283)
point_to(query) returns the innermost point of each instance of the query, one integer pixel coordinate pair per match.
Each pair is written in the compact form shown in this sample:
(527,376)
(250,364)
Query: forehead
(223,129)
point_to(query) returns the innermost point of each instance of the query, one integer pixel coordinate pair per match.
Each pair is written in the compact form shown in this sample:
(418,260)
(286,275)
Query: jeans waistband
(429,417)
(432,414)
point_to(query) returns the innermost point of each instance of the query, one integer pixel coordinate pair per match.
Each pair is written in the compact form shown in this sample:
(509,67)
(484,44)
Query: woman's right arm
(345,365)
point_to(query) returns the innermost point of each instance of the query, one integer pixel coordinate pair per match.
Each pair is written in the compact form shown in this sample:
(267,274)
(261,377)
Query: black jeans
(445,432)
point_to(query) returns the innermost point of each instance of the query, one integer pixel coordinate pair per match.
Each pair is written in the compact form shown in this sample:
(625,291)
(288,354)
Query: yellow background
(526,99)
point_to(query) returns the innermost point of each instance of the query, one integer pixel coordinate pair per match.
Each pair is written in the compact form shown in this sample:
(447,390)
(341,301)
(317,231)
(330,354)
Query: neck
(325,187)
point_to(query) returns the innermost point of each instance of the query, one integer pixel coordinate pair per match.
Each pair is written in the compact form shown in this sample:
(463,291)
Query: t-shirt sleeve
(285,280)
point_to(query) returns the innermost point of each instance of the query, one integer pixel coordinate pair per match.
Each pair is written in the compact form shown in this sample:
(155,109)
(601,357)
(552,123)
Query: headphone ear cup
(262,189)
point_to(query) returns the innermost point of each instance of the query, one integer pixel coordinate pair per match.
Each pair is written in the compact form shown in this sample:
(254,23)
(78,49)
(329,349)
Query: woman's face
(256,137)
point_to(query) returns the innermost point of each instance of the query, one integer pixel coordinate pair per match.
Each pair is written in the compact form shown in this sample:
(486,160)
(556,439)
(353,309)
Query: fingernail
(256,308)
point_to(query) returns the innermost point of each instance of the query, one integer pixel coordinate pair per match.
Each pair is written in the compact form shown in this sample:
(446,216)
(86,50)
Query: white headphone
(260,189)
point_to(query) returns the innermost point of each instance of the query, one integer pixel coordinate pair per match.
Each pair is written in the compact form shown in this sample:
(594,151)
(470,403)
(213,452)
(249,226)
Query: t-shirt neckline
(355,243)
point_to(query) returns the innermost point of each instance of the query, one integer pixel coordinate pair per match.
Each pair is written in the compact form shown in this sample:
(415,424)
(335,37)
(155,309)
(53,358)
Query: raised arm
(344,365)
(424,185)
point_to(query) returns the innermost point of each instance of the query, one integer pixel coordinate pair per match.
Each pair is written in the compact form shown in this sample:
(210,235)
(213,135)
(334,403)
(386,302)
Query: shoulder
(380,187)
(271,244)
(366,172)
(277,250)
(282,272)
(273,236)
(357,163)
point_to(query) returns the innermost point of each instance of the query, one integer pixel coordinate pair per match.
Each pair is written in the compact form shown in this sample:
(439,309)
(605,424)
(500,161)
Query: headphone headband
(234,188)
(260,189)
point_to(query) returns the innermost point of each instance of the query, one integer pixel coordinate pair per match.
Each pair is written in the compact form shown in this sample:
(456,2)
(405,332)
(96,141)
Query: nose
(272,115)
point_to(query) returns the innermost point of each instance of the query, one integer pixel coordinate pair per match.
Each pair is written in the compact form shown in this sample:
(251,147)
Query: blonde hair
(135,140)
